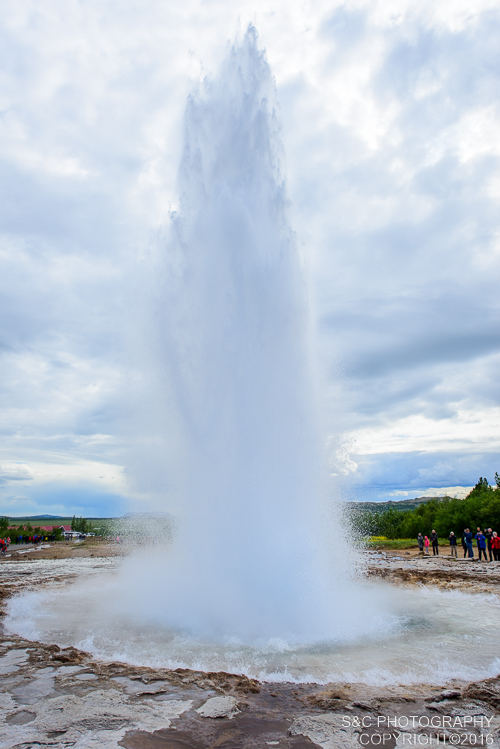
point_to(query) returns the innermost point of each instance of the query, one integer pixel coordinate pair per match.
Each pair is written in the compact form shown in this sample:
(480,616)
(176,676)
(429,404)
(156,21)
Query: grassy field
(15,522)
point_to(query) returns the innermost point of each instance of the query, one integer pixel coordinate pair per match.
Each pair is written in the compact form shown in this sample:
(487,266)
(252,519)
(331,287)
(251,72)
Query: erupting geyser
(235,350)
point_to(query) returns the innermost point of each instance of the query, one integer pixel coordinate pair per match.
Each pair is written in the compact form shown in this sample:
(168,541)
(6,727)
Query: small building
(68,533)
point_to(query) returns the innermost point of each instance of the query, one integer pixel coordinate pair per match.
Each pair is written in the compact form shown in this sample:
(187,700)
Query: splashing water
(235,343)
(232,377)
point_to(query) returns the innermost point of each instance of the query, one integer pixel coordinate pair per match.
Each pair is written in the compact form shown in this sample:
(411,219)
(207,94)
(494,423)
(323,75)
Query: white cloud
(465,430)
(15,472)
(449,491)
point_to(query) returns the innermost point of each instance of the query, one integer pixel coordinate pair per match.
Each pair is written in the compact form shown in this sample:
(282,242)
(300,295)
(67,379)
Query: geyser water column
(235,349)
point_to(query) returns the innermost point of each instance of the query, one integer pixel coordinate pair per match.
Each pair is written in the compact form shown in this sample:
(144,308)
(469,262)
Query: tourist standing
(468,541)
(426,544)
(435,544)
(453,545)
(495,545)
(420,542)
(488,536)
(481,545)
(464,545)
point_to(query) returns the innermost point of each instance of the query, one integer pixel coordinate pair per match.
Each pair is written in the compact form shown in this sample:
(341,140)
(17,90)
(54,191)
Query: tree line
(82,525)
(13,532)
(480,508)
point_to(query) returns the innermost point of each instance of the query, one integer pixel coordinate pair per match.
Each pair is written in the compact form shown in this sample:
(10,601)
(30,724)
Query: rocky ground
(443,571)
(52,697)
(64,550)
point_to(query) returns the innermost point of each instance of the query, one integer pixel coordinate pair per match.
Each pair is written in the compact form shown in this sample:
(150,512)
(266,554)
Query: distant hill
(133,515)
(44,519)
(40,517)
(399,504)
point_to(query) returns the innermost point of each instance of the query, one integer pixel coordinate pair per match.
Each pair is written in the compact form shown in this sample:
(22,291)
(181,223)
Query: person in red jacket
(495,546)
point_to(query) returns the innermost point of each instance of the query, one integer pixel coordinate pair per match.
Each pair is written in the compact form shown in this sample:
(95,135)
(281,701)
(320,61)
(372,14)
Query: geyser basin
(422,636)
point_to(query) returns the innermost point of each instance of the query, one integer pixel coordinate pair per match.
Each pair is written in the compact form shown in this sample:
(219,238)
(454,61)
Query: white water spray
(235,350)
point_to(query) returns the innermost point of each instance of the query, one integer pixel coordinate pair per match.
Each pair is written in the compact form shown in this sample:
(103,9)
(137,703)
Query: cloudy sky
(391,121)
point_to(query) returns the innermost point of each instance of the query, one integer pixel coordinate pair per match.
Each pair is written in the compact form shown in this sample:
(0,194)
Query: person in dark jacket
(435,545)
(488,536)
(468,541)
(453,545)
(420,542)
(481,545)
(464,545)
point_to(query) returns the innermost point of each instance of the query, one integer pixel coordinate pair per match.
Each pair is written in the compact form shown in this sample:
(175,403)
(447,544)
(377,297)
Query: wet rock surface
(62,697)
(443,571)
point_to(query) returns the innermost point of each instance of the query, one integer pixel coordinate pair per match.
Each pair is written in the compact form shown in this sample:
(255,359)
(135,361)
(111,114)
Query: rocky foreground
(52,697)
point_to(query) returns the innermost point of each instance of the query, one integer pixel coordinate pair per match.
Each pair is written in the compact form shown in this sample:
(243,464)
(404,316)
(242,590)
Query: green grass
(38,523)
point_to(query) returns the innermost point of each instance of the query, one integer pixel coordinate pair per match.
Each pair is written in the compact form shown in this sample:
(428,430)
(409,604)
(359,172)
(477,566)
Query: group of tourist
(36,538)
(486,541)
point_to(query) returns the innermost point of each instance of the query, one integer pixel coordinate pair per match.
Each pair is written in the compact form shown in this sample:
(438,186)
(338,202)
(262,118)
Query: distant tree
(80,525)
(481,486)
(4,524)
(481,508)
(391,523)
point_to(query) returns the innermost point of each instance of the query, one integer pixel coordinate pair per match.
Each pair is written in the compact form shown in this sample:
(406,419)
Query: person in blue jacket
(481,545)
(468,541)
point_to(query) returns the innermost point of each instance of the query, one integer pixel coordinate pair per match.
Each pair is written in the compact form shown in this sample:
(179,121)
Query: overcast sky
(391,124)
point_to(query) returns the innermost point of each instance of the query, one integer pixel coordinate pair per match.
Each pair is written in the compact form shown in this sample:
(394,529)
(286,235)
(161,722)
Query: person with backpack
(481,545)
(435,543)
(453,545)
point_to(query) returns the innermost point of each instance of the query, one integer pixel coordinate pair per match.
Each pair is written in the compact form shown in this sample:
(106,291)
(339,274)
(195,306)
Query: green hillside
(400,504)
(481,508)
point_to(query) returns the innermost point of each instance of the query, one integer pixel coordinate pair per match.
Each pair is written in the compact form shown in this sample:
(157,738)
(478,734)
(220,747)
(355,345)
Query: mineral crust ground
(53,697)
